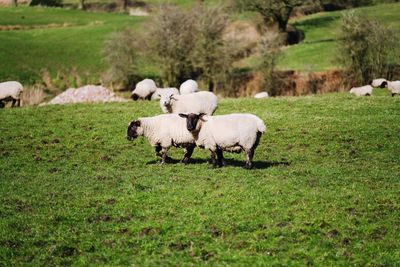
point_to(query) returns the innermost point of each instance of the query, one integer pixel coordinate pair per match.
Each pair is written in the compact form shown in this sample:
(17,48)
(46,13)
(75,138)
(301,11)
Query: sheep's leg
(393,94)
(249,158)
(213,158)
(220,157)
(158,149)
(164,158)
(18,102)
(2,105)
(13,102)
(189,151)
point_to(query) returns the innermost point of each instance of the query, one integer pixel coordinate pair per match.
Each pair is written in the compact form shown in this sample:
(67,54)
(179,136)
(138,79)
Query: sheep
(261,95)
(188,87)
(365,90)
(162,132)
(200,102)
(232,133)
(10,91)
(377,82)
(144,90)
(394,87)
(162,91)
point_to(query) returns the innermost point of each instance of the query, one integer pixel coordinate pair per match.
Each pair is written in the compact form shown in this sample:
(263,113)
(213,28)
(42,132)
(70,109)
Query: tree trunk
(211,85)
(14,3)
(125,5)
(82,5)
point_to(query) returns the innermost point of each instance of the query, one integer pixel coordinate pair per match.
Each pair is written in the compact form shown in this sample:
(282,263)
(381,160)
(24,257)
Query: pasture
(324,190)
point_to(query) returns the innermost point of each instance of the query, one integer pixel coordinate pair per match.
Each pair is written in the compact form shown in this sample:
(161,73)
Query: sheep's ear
(183,115)
(136,123)
(201,115)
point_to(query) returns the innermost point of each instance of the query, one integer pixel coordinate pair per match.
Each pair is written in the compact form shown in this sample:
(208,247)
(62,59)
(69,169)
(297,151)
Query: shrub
(367,49)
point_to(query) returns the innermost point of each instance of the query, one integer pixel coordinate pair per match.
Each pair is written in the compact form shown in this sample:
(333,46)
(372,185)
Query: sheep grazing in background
(362,91)
(261,95)
(144,90)
(394,87)
(164,131)
(188,87)
(200,102)
(163,91)
(10,91)
(232,133)
(377,82)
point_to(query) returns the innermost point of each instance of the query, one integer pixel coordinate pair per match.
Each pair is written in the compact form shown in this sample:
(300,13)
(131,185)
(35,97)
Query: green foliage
(367,48)
(324,190)
(120,53)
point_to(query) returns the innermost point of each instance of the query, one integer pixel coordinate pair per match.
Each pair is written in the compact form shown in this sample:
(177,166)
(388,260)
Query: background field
(324,190)
(62,40)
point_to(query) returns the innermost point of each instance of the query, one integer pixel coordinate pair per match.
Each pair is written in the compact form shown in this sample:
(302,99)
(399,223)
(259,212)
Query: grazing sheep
(188,87)
(377,82)
(162,91)
(144,90)
(365,90)
(200,102)
(232,133)
(10,91)
(163,131)
(261,95)
(394,87)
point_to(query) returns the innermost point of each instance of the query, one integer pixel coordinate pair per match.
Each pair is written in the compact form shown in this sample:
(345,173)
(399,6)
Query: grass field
(62,40)
(324,190)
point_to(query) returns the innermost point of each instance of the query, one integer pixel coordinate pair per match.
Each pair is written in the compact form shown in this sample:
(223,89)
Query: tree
(273,11)
(171,41)
(14,2)
(212,55)
(367,48)
(270,51)
(120,53)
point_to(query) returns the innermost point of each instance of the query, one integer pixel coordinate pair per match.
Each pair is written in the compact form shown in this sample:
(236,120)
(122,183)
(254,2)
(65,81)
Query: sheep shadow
(230,162)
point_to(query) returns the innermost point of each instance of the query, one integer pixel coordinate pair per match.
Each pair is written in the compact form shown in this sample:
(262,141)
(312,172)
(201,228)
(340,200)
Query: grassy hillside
(61,40)
(324,191)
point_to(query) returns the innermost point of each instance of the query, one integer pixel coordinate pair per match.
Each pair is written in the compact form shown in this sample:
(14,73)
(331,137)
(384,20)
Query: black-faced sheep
(394,87)
(163,131)
(232,133)
(362,91)
(164,91)
(144,90)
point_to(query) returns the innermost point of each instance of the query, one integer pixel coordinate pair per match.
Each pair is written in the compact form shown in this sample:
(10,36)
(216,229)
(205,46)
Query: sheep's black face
(383,85)
(192,120)
(134,97)
(132,130)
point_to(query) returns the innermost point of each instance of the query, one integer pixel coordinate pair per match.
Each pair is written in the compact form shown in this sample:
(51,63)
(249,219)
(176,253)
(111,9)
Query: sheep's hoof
(185,160)
(248,166)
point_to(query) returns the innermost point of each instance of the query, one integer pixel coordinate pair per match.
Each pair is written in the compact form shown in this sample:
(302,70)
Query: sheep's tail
(261,126)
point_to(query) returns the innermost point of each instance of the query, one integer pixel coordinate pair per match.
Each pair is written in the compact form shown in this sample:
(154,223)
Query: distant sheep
(163,131)
(362,91)
(394,87)
(162,91)
(200,102)
(232,132)
(188,87)
(10,91)
(261,95)
(377,82)
(144,90)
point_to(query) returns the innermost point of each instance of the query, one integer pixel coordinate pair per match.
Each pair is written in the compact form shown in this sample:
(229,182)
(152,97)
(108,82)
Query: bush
(367,49)
(46,3)
(120,54)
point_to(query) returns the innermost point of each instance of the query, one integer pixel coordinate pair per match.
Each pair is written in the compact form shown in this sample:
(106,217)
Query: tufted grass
(324,190)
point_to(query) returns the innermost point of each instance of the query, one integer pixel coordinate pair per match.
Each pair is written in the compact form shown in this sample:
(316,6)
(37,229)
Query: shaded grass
(325,190)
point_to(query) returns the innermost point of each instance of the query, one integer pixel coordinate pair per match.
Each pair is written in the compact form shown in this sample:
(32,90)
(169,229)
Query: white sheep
(378,82)
(144,89)
(11,91)
(394,87)
(200,102)
(261,95)
(232,132)
(163,131)
(188,87)
(365,90)
(162,91)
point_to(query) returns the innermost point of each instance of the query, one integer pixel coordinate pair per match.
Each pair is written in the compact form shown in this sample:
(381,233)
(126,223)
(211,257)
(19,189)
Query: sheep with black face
(200,102)
(163,131)
(232,133)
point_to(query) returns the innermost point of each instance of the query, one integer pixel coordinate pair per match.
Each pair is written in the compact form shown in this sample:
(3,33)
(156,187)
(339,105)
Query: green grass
(319,49)
(24,53)
(324,190)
